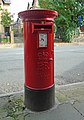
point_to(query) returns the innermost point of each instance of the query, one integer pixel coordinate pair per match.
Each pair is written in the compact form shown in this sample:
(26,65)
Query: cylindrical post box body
(39,58)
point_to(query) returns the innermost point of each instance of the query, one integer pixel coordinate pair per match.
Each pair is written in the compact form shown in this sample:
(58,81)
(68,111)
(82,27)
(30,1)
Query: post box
(39,58)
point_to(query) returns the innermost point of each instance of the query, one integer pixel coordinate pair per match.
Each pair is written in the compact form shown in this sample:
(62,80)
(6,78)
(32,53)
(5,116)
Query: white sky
(18,6)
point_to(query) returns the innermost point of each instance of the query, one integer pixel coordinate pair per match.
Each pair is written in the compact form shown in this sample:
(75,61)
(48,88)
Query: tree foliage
(6,18)
(68,10)
(44,3)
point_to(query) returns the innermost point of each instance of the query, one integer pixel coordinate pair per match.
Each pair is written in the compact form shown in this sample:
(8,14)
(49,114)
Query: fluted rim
(38,14)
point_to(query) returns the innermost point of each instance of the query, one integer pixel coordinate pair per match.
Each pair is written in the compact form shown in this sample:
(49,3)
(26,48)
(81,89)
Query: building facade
(5,5)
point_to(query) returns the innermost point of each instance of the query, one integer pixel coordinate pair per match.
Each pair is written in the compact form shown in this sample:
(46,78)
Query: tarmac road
(69,64)
(69,67)
(11,70)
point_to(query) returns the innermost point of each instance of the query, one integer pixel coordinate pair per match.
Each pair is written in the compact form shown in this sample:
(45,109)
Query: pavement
(16,45)
(69,103)
(13,45)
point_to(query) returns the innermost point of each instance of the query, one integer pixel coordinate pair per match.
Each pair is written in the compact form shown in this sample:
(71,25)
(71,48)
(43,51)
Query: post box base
(39,100)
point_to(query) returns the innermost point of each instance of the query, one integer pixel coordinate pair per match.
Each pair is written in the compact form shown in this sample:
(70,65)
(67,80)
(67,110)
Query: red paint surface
(38,61)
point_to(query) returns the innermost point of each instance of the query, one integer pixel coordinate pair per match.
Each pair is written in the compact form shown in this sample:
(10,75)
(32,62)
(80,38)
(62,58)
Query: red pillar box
(39,58)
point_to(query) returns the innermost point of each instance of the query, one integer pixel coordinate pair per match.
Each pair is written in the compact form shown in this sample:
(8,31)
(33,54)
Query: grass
(14,108)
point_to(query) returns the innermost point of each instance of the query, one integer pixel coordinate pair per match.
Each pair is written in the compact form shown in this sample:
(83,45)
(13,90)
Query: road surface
(69,64)
(69,67)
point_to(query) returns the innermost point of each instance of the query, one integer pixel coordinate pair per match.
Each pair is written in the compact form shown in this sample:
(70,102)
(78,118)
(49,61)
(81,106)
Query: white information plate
(42,39)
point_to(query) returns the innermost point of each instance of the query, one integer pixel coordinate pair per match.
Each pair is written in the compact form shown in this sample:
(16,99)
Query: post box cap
(38,14)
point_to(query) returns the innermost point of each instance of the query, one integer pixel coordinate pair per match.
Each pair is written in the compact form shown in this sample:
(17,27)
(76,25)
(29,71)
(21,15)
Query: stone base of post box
(39,100)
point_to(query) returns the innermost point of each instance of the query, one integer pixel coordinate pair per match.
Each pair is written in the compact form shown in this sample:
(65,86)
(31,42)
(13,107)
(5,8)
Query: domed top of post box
(38,14)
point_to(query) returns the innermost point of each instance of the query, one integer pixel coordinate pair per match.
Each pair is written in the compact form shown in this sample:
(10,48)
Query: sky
(18,6)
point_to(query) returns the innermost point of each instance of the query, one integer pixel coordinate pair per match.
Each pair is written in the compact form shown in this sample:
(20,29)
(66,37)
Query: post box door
(45,60)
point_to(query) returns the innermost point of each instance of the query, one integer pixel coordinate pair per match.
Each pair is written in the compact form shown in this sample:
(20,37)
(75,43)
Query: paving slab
(79,106)
(61,112)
